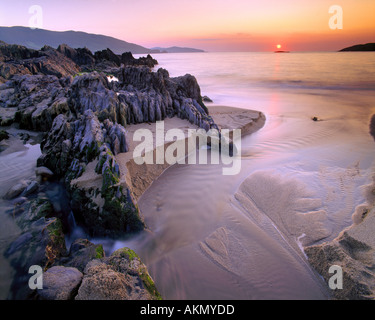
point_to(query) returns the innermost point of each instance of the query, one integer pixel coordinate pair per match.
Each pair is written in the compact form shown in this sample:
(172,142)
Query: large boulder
(60,283)
(15,190)
(122,276)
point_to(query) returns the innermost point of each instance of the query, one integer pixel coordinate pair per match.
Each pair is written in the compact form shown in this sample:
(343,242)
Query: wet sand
(139,177)
(190,244)
(353,250)
(243,237)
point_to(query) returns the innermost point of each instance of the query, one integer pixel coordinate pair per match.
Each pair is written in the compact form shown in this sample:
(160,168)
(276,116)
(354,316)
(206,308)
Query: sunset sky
(211,25)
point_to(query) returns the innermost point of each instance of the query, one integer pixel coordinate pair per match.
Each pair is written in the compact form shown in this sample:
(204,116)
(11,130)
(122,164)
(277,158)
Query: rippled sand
(242,237)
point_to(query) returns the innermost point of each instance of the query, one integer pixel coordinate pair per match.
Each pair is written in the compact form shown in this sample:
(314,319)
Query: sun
(278,46)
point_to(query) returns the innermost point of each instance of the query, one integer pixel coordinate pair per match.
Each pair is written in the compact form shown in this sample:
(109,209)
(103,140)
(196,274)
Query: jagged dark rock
(35,100)
(109,56)
(154,96)
(83,103)
(207,99)
(40,243)
(128,60)
(82,251)
(16,52)
(86,116)
(63,62)
(16,59)
(4,135)
(81,56)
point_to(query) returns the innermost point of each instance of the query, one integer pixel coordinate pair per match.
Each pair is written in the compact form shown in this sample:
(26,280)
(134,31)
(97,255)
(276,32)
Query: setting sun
(278,46)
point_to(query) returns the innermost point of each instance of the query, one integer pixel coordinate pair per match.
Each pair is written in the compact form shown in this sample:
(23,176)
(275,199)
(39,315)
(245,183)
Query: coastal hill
(38,38)
(360,47)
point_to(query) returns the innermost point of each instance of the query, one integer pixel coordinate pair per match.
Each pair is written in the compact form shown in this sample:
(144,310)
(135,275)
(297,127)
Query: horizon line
(170,46)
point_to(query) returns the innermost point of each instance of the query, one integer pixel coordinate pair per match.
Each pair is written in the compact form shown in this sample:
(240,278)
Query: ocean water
(241,237)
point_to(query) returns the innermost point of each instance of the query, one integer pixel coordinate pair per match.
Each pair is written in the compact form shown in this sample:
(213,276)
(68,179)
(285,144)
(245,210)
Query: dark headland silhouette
(360,47)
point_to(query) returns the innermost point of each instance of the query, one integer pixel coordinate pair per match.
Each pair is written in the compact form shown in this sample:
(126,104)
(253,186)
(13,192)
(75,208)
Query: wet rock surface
(122,276)
(60,283)
(40,243)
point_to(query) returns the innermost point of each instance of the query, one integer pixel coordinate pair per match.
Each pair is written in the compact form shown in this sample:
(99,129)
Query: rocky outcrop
(81,253)
(84,115)
(69,148)
(122,276)
(35,100)
(91,127)
(153,96)
(81,56)
(104,59)
(16,59)
(127,59)
(108,56)
(63,62)
(40,243)
(16,52)
(82,273)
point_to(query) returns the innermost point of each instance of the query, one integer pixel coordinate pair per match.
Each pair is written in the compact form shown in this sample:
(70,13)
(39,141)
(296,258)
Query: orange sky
(212,25)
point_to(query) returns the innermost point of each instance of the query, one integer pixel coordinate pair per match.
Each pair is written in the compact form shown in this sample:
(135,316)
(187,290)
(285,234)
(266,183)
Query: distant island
(38,38)
(175,50)
(360,47)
